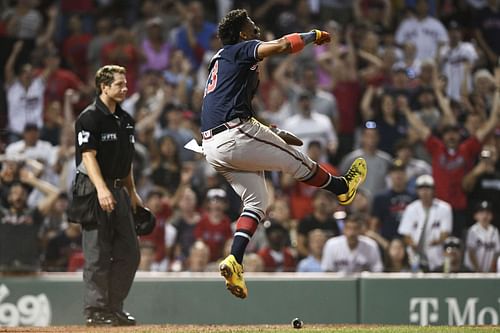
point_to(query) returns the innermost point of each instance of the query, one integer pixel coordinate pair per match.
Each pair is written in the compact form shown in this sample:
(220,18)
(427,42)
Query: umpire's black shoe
(101,318)
(123,318)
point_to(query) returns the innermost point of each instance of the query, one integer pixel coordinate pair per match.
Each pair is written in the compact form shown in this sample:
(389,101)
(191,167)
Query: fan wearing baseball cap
(483,241)
(482,183)
(425,225)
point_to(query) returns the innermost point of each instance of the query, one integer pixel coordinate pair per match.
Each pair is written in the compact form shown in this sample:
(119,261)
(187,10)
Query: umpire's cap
(144,221)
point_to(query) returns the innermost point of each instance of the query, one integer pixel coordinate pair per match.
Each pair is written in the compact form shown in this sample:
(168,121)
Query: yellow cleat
(354,177)
(233,273)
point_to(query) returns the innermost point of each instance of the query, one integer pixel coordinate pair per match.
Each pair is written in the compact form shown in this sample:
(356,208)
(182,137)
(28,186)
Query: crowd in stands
(413,86)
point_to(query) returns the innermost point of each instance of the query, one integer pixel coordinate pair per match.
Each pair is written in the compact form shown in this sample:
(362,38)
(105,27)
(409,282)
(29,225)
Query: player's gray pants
(243,153)
(111,253)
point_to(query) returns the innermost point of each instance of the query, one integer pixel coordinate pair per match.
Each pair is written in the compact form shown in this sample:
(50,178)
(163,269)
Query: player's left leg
(251,187)
(254,147)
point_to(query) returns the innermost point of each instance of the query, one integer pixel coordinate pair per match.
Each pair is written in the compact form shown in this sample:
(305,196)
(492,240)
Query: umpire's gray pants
(111,253)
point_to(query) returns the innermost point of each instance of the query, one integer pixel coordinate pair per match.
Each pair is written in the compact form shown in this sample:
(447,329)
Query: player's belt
(221,128)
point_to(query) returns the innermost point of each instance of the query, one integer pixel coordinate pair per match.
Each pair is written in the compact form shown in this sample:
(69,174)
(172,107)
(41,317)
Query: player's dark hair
(105,75)
(231,25)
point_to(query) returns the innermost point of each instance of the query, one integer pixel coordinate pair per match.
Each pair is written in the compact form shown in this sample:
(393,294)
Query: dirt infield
(254,328)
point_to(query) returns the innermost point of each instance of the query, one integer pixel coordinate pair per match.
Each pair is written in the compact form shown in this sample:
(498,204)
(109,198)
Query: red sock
(245,228)
(320,177)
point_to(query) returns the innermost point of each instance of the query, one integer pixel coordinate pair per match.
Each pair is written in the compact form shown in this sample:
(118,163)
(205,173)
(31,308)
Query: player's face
(250,30)
(117,90)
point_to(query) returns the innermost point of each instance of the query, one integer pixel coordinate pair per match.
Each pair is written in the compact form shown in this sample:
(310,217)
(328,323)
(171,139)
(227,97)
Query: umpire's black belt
(115,183)
(221,128)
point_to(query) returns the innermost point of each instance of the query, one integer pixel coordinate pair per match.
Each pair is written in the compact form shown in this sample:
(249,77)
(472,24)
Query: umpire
(104,152)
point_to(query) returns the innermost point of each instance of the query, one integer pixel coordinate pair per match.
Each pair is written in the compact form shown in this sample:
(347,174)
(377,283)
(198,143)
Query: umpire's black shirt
(110,135)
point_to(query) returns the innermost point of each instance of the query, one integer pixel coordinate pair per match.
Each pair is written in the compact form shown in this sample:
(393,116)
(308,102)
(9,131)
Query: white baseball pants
(242,154)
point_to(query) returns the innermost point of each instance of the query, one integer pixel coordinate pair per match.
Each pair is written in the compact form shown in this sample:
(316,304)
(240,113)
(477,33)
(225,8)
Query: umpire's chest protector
(111,135)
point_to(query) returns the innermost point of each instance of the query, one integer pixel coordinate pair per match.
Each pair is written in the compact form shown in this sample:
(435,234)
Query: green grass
(256,329)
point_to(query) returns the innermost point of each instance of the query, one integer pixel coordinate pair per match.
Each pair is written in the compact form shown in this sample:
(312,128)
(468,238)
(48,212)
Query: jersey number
(212,79)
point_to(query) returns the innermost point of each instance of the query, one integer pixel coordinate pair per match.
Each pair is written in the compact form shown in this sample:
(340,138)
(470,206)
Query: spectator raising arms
(453,158)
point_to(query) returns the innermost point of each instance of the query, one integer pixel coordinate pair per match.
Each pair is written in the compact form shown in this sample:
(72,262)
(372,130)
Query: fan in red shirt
(277,257)
(75,46)
(60,80)
(452,159)
(122,51)
(214,228)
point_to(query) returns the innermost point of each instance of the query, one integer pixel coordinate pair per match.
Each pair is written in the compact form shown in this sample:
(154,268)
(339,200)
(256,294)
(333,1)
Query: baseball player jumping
(241,148)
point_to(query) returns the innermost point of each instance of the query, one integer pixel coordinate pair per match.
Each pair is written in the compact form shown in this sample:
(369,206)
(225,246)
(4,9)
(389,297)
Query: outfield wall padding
(463,299)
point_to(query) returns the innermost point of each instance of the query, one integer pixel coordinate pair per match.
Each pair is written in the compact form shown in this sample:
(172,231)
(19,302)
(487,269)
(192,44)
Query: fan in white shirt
(453,60)
(310,125)
(424,31)
(31,147)
(24,93)
(483,242)
(425,224)
(351,252)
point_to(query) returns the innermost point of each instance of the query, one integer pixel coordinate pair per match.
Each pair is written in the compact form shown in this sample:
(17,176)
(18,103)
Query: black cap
(397,165)
(305,95)
(271,226)
(452,242)
(144,221)
(484,205)
(30,127)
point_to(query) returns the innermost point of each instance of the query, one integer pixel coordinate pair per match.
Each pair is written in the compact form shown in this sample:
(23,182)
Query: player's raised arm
(238,27)
(292,43)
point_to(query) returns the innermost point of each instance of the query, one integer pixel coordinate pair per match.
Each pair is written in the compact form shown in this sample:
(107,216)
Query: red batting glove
(322,37)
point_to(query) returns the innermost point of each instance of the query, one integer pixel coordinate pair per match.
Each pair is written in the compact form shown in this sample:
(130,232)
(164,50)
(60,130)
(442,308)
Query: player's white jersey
(453,60)
(426,34)
(25,106)
(486,244)
(338,257)
(439,221)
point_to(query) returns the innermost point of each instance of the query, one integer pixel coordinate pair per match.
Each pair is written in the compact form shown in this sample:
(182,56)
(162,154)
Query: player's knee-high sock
(321,178)
(245,228)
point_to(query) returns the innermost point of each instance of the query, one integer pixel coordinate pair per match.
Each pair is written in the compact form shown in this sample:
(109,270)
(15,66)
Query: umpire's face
(117,90)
